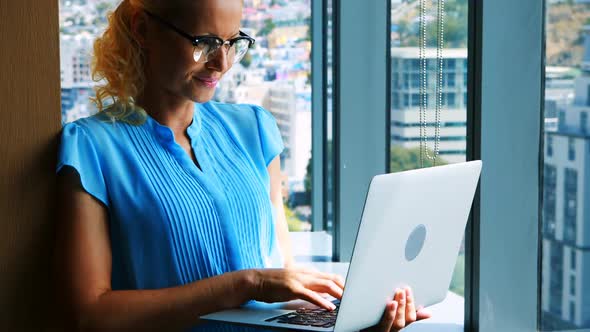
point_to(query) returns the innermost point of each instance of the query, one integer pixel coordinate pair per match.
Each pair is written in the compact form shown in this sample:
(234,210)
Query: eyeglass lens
(206,49)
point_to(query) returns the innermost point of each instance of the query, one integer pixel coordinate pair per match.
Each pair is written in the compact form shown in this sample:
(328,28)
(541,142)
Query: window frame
(497,34)
(361,98)
(318,113)
(513,89)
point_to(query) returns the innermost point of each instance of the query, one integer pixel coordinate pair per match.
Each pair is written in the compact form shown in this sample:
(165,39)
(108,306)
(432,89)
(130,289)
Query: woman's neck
(172,111)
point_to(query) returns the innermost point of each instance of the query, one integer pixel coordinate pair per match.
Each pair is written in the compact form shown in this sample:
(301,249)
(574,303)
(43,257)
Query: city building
(281,102)
(405,100)
(76,81)
(559,92)
(566,206)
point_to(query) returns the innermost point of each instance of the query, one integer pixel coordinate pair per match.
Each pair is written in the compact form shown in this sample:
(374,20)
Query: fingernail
(394,305)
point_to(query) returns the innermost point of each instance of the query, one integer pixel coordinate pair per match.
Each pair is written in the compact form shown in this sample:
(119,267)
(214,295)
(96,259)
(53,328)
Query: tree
(294,224)
(404,32)
(269,25)
(309,173)
(307,179)
(455,27)
(403,159)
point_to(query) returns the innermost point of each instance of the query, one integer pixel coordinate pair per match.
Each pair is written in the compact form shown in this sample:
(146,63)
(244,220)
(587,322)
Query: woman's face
(170,65)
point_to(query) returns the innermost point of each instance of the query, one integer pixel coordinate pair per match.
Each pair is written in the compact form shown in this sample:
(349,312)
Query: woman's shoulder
(252,126)
(103,125)
(233,111)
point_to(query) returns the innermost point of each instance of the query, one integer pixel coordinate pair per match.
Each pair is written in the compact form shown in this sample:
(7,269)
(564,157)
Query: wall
(29,123)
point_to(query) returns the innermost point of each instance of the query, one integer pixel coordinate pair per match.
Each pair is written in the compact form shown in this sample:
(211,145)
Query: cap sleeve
(270,136)
(78,151)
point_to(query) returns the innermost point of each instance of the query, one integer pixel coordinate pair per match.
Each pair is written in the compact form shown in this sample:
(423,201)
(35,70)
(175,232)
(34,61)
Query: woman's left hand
(400,313)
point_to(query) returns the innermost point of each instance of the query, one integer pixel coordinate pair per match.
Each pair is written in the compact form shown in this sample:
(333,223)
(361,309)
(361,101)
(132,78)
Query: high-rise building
(405,100)
(76,80)
(281,99)
(566,209)
(281,102)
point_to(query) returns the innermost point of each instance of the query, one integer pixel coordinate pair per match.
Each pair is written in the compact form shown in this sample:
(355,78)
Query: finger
(422,313)
(337,279)
(313,297)
(400,317)
(388,317)
(325,285)
(306,270)
(334,277)
(410,306)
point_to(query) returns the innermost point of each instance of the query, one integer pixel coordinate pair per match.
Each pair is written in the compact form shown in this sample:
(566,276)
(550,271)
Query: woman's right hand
(280,285)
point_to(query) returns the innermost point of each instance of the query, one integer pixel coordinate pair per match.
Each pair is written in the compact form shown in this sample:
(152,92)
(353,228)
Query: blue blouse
(170,222)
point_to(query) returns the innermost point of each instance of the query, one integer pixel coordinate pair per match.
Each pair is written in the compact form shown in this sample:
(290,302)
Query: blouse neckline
(165,134)
(165,137)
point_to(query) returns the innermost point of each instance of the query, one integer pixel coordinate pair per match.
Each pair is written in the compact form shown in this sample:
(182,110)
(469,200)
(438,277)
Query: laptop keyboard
(309,317)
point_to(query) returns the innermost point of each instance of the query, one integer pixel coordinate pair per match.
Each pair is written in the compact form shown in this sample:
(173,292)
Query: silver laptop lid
(410,233)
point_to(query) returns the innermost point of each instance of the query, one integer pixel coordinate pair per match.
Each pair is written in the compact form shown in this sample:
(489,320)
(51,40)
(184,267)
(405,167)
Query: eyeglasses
(205,47)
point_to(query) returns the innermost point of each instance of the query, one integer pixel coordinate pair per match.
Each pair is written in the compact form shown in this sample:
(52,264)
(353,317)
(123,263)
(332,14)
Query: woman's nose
(219,60)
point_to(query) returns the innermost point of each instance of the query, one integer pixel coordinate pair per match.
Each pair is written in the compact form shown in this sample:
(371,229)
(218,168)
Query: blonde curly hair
(119,59)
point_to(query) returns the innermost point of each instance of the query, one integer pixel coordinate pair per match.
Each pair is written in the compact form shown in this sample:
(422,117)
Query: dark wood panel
(29,124)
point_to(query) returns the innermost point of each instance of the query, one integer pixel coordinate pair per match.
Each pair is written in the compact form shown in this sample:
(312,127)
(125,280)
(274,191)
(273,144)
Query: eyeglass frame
(195,39)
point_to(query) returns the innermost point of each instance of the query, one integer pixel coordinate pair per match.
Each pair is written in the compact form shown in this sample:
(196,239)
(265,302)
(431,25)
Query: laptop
(410,233)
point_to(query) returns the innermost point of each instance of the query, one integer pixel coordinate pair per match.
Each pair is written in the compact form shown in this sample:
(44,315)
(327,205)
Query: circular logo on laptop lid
(415,242)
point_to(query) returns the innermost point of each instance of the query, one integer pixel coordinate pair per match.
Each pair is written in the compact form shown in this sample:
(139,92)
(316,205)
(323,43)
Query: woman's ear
(138,27)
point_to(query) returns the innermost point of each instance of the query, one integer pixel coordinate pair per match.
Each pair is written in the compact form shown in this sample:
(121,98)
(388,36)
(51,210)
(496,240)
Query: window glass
(405,117)
(565,297)
(275,74)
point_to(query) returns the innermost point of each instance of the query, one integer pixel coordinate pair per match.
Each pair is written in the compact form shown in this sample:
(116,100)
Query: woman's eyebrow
(234,35)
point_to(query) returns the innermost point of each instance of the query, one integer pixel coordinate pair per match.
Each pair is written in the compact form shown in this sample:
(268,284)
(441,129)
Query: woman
(172,204)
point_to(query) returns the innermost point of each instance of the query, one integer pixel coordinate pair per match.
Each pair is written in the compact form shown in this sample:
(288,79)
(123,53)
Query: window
(275,74)
(549,190)
(570,215)
(561,120)
(405,138)
(449,64)
(449,79)
(328,144)
(565,178)
(413,64)
(449,99)
(395,80)
(556,279)
(415,99)
(571,149)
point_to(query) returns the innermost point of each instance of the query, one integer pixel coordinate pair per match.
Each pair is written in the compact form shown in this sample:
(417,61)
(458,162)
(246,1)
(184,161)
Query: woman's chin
(201,96)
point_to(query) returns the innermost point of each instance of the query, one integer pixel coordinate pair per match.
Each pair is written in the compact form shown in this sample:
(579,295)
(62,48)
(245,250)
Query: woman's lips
(208,81)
